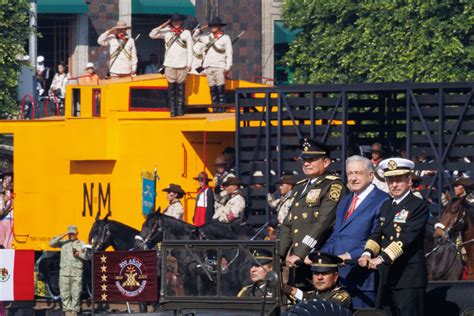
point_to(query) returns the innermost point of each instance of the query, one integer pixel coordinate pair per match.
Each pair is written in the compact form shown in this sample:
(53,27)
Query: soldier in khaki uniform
(261,266)
(282,204)
(325,269)
(223,173)
(175,208)
(233,205)
(177,61)
(123,53)
(217,60)
(313,212)
(70,273)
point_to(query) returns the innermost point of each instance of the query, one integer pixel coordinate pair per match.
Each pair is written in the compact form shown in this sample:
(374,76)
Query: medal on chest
(401,217)
(313,195)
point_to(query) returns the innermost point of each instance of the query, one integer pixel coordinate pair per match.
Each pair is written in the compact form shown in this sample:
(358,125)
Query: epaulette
(302,181)
(332,177)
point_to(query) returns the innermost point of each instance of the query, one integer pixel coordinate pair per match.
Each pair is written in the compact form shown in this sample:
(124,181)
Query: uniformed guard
(123,53)
(223,173)
(325,269)
(261,266)
(396,245)
(313,212)
(233,205)
(217,60)
(198,47)
(283,203)
(177,61)
(175,208)
(70,269)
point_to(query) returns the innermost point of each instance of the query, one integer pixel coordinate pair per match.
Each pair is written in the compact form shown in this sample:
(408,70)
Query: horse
(105,233)
(199,267)
(444,261)
(181,267)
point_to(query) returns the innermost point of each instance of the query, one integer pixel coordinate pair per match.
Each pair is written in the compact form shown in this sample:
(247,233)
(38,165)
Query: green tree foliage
(346,41)
(14,31)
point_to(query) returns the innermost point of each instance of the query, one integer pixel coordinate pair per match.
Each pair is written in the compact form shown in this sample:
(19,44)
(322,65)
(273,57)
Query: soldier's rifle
(201,68)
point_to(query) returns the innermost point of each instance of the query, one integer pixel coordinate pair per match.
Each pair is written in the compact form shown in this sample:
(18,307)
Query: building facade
(69,31)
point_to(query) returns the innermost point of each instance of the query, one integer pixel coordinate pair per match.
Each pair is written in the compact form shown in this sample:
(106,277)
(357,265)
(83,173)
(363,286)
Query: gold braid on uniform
(243,290)
(373,246)
(394,250)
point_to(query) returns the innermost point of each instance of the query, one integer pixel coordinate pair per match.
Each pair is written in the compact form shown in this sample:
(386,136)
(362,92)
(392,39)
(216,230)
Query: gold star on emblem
(104,297)
(104,287)
(103,268)
(104,278)
(103,259)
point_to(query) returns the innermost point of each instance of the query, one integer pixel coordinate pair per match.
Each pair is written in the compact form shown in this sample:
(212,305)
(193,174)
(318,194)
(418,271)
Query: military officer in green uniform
(70,270)
(313,212)
(261,266)
(325,268)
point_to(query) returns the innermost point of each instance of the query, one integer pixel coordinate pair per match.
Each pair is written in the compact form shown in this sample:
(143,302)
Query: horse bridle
(151,234)
(102,237)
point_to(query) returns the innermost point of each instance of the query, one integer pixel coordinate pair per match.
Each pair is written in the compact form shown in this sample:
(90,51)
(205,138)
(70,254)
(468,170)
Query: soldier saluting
(70,270)
(396,247)
(177,61)
(313,212)
(123,53)
(217,60)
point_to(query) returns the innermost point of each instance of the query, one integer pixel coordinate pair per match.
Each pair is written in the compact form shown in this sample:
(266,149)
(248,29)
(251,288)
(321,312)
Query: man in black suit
(396,246)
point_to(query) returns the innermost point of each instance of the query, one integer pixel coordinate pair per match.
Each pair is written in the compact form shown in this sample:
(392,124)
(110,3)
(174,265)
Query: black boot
(172,98)
(221,97)
(180,99)
(214,98)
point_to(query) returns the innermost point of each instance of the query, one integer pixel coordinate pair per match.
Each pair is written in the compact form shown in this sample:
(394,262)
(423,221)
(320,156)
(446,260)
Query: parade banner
(148,192)
(125,276)
(17,275)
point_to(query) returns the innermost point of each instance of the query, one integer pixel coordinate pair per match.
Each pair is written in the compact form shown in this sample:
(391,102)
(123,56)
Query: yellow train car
(69,168)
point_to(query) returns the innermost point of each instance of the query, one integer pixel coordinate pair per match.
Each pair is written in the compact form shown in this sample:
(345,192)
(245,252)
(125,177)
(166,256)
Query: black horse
(105,233)
(198,267)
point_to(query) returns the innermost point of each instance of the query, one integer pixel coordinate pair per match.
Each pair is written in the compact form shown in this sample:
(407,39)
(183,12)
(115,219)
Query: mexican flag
(17,275)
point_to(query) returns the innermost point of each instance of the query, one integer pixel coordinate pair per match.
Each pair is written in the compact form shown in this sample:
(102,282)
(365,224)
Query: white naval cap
(396,166)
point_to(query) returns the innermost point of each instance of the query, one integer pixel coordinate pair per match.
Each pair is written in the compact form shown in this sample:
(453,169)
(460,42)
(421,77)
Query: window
(148,99)
(76,102)
(96,102)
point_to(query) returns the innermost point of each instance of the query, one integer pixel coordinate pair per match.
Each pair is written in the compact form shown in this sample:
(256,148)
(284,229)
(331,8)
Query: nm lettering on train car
(102,200)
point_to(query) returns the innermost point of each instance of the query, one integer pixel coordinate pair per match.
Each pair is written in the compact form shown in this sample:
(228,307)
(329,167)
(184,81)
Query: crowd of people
(333,237)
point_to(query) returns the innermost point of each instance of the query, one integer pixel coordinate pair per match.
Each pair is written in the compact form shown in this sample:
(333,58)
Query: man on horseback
(396,247)
(282,204)
(204,201)
(233,206)
(175,208)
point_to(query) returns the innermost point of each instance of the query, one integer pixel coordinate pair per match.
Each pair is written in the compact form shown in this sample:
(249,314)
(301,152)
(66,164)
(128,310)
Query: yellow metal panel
(65,170)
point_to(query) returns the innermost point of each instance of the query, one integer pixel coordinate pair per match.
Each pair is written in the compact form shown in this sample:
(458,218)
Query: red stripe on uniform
(24,286)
